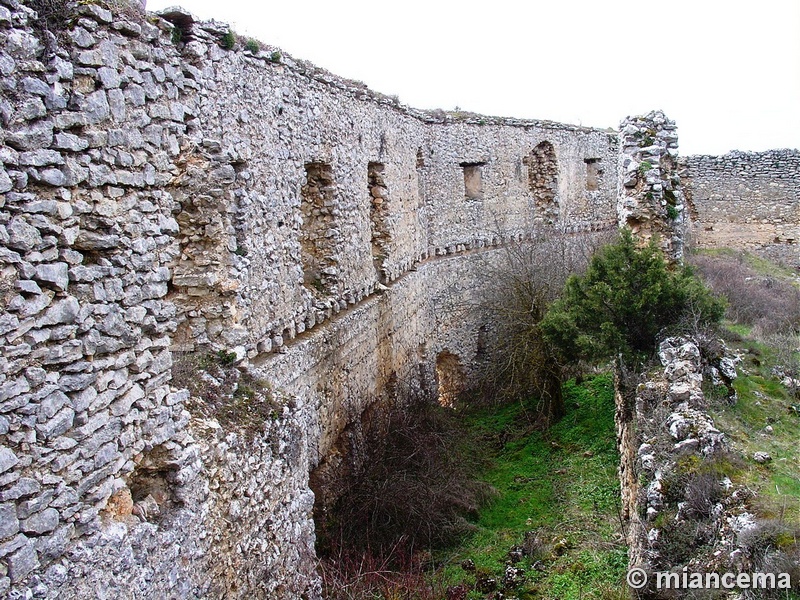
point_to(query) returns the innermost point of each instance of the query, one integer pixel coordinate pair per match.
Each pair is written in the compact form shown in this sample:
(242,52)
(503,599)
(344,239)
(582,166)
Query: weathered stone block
(25,486)
(22,236)
(5,181)
(95,107)
(89,240)
(98,13)
(123,405)
(52,404)
(53,546)
(40,522)
(55,275)
(40,158)
(63,311)
(13,388)
(31,137)
(9,525)
(57,425)
(22,562)
(22,45)
(69,141)
(105,454)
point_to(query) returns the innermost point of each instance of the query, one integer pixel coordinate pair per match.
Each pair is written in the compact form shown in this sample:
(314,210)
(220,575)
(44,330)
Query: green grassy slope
(561,484)
(763,402)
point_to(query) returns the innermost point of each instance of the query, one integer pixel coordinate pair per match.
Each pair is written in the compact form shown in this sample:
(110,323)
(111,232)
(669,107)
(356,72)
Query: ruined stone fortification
(164,197)
(650,200)
(747,200)
(665,436)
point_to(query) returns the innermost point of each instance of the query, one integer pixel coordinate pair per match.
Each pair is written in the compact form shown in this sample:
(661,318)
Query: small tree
(518,285)
(627,296)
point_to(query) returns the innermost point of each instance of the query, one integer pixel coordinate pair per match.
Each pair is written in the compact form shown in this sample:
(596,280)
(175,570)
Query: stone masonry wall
(90,130)
(680,507)
(164,197)
(746,200)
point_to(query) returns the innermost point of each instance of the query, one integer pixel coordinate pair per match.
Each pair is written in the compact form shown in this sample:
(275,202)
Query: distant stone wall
(747,200)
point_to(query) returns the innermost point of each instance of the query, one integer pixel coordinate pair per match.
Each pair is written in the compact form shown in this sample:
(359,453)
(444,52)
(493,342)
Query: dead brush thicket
(772,547)
(769,304)
(393,574)
(418,487)
(517,287)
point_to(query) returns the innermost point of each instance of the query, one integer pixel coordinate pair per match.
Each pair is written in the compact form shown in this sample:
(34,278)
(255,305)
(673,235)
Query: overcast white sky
(727,71)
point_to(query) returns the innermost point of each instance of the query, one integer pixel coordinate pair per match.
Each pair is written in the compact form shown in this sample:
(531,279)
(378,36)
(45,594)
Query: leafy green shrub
(627,297)
(252,45)
(228,41)
(672,212)
(275,57)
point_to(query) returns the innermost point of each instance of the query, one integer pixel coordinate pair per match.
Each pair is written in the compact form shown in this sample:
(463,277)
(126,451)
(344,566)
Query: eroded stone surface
(161,199)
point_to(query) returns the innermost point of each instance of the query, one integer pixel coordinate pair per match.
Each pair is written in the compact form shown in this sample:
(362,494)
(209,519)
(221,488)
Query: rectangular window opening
(379,218)
(316,247)
(473,182)
(593,174)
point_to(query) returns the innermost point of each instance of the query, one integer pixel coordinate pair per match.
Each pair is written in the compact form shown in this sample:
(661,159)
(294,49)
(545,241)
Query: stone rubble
(666,440)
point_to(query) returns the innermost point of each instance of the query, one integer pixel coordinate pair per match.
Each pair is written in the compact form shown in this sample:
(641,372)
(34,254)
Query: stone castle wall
(162,199)
(651,202)
(746,200)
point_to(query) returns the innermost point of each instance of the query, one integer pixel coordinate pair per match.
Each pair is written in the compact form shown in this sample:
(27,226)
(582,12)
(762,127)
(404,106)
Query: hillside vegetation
(531,509)
(763,331)
(553,531)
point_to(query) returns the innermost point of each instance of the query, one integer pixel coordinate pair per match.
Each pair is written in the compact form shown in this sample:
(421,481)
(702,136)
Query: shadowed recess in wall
(316,240)
(543,179)
(379,213)
(450,377)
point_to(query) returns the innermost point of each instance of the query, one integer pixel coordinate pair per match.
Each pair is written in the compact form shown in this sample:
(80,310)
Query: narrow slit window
(593,174)
(379,217)
(316,246)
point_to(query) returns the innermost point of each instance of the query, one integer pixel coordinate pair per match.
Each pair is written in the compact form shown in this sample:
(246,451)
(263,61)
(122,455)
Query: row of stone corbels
(317,311)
